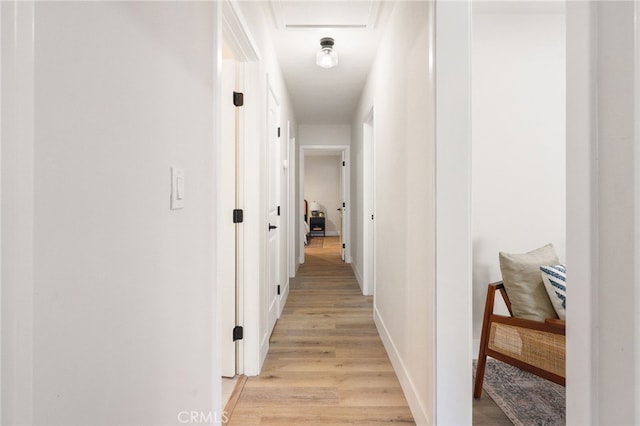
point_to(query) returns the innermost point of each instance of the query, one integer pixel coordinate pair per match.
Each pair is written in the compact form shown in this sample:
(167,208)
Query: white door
(226,270)
(273,230)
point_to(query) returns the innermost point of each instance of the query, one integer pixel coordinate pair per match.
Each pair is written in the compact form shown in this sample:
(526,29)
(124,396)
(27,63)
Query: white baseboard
(358,275)
(283,298)
(418,410)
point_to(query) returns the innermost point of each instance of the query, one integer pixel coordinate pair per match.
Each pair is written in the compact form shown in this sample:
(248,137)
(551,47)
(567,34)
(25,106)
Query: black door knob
(272,227)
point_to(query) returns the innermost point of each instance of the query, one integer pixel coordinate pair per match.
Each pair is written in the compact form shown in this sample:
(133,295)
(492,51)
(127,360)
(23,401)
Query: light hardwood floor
(326,363)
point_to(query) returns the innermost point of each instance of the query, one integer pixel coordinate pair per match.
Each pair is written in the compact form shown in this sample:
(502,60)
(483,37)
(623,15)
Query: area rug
(525,398)
(315,242)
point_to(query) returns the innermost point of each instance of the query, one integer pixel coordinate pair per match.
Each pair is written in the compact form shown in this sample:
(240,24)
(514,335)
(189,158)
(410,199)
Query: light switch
(177,188)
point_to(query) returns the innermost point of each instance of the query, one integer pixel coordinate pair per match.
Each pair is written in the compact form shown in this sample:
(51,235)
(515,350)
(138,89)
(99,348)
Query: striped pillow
(555,282)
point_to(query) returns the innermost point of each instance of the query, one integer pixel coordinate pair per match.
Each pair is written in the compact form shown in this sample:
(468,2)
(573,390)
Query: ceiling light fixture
(327,57)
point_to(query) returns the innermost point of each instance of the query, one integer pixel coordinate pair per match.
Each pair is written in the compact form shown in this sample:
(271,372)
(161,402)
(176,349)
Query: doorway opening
(325,196)
(513,157)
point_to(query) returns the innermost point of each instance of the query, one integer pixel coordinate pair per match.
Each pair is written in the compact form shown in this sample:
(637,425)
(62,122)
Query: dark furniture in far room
(317,226)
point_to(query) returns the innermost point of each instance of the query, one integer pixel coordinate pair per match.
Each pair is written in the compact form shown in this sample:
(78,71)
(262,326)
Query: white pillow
(521,277)
(555,282)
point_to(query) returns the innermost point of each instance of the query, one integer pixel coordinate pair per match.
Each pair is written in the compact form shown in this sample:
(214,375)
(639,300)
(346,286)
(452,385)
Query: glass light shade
(327,57)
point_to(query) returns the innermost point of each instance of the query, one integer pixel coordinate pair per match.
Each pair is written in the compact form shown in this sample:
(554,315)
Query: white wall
(401,85)
(324,134)
(323,183)
(518,137)
(122,299)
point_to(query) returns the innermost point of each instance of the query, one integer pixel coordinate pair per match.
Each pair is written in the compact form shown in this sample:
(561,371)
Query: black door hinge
(344,164)
(344,204)
(238,99)
(278,288)
(278,131)
(237,333)
(278,210)
(238,216)
(344,245)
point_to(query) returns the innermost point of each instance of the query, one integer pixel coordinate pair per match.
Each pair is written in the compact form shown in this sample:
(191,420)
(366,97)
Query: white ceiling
(326,96)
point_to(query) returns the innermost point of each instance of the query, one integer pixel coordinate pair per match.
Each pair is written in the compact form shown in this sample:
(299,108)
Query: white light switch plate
(177,188)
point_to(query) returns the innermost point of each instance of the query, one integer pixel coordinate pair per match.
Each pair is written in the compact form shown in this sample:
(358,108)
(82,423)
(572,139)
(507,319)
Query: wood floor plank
(282,396)
(323,419)
(372,397)
(324,416)
(233,400)
(326,364)
(297,351)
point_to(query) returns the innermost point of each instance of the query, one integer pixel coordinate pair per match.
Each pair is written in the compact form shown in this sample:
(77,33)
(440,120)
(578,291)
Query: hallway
(326,362)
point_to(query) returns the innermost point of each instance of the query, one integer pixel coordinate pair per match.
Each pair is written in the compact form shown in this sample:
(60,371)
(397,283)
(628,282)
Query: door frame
(450,24)
(338,149)
(227,239)
(593,28)
(294,207)
(285,208)
(343,207)
(1,103)
(17,248)
(234,32)
(368,205)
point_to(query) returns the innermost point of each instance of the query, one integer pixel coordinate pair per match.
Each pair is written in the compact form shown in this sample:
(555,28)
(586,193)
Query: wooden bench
(533,346)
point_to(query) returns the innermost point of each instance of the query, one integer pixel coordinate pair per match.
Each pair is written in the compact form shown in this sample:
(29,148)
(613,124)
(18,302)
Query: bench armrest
(556,323)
